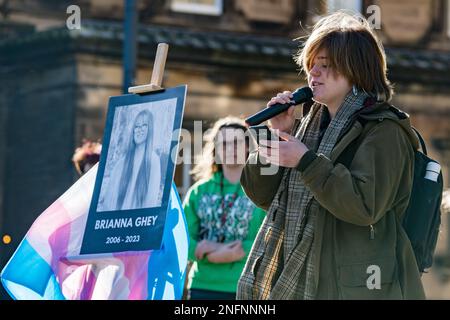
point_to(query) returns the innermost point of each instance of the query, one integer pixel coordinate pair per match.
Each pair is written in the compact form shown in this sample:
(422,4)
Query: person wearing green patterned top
(222,221)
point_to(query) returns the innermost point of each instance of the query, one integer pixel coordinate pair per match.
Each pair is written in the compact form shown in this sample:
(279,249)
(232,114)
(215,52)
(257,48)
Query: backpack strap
(402,115)
(348,154)
(346,157)
(422,142)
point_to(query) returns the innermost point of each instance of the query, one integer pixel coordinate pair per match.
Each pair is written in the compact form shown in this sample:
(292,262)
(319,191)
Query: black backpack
(422,218)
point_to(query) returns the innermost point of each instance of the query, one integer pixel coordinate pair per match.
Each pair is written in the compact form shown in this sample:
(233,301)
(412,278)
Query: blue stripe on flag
(167,267)
(28,276)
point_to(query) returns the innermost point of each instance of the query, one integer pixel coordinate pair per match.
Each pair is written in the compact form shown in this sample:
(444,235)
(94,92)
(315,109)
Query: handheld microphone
(301,95)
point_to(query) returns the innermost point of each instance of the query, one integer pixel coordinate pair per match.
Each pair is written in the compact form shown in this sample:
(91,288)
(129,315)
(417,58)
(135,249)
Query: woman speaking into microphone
(333,226)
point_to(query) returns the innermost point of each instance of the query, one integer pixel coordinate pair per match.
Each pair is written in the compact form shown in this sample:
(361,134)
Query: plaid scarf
(282,254)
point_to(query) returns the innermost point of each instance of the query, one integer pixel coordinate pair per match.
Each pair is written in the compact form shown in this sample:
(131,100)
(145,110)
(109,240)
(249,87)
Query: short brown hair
(353,50)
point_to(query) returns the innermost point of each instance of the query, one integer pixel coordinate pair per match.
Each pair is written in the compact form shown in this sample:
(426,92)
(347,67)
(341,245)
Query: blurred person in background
(222,221)
(446,202)
(86,156)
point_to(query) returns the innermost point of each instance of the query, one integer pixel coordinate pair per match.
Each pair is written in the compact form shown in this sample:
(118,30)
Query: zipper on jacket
(372,232)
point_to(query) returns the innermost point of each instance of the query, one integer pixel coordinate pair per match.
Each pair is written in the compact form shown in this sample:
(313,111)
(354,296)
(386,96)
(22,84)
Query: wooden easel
(155,86)
(157,74)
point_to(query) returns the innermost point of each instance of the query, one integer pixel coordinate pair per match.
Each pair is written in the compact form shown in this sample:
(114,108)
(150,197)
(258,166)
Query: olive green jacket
(358,227)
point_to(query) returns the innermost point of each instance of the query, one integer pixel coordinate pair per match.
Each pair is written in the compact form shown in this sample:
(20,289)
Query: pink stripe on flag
(59,242)
(136,270)
(82,281)
(45,232)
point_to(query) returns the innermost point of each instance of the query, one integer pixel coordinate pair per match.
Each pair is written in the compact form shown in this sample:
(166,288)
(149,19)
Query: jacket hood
(381,111)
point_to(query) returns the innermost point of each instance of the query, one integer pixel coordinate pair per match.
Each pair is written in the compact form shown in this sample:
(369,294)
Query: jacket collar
(371,111)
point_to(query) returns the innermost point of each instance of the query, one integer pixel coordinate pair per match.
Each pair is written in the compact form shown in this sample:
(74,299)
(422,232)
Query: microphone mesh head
(302,95)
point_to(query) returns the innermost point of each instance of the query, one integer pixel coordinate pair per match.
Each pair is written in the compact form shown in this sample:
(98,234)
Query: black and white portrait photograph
(135,175)
(137,157)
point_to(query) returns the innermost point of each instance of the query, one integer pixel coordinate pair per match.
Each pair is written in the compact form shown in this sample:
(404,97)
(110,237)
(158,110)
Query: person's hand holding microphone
(285,120)
(288,151)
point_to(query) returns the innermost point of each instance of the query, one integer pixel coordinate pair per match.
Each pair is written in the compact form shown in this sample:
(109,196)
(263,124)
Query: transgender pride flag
(47,264)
